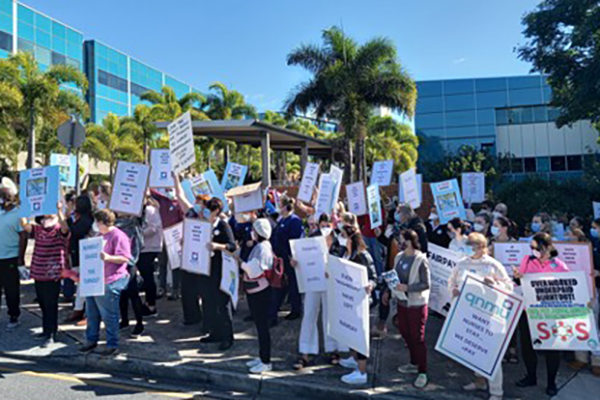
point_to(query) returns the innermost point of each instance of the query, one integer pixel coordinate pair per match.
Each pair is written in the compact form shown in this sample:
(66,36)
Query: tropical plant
(348,81)
(114,140)
(144,117)
(42,103)
(166,106)
(391,140)
(224,103)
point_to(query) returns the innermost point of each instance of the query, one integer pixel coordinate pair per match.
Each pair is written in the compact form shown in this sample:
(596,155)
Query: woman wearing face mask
(103,197)
(116,254)
(437,233)
(49,259)
(315,301)
(412,268)
(492,272)
(456,230)
(356,251)
(541,222)
(544,260)
(482,223)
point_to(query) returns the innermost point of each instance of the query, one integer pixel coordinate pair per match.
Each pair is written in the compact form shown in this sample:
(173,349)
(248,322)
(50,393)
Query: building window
(112,81)
(5,41)
(540,114)
(58,59)
(502,117)
(543,164)
(558,164)
(516,165)
(530,165)
(574,163)
(138,89)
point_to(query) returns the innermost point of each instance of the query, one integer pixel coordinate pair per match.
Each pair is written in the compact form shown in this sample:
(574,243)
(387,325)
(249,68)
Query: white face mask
(433,217)
(95,227)
(478,227)
(326,231)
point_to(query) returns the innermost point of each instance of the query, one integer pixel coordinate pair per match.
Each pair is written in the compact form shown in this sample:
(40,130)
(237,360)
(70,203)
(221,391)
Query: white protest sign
(348,304)
(511,254)
(557,311)
(181,143)
(230,280)
(129,188)
(336,175)
(174,244)
(596,207)
(357,200)
(473,187)
(247,198)
(479,327)
(441,263)
(161,175)
(324,200)
(91,270)
(374,202)
(419,186)
(195,256)
(309,180)
(410,188)
(382,173)
(311,255)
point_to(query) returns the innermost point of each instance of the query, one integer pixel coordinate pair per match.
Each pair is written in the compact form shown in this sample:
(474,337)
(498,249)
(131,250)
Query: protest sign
(410,188)
(374,202)
(511,254)
(441,263)
(230,279)
(596,207)
(392,281)
(39,191)
(161,175)
(336,175)
(324,200)
(419,186)
(381,173)
(473,187)
(247,198)
(67,164)
(480,325)
(206,183)
(174,244)
(91,269)
(311,255)
(348,304)
(448,200)
(233,176)
(195,256)
(181,143)
(557,311)
(309,180)
(129,188)
(357,201)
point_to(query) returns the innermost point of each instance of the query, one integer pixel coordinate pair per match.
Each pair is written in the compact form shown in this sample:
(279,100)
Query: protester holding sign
(103,194)
(12,250)
(258,291)
(356,251)
(412,268)
(51,235)
(543,260)
(541,222)
(153,244)
(116,255)
(482,265)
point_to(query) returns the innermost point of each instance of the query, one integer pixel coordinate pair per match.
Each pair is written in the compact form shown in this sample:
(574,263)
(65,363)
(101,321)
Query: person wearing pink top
(543,261)
(116,255)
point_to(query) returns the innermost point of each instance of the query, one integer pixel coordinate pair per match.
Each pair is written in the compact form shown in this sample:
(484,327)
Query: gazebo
(257,133)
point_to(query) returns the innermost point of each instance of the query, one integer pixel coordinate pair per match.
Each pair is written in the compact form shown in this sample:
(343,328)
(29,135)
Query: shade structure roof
(251,132)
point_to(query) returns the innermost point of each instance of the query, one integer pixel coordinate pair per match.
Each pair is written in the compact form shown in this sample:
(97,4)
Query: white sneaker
(355,378)
(349,363)
(421,381)
(494,397)
(260,368)
(473,386)
(253,363)
(408,369)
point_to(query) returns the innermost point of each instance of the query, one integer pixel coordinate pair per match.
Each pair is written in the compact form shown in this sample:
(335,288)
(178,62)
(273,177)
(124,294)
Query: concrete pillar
(303,158)
(266,160)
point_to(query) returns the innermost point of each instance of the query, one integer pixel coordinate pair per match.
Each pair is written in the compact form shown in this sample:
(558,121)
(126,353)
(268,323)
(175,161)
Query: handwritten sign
(91,270)
(309,180)
(410,188)
(129,188)
(161,175)
(357,200)
(181,143)
(382,172)
(324,200)
(473,187)
(195,256)
(311,255)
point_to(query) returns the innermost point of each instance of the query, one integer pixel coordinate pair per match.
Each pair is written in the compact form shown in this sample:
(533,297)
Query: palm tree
(166,106)
(348,81)
(44,103)
(114,140)
(144,117)
(391,140)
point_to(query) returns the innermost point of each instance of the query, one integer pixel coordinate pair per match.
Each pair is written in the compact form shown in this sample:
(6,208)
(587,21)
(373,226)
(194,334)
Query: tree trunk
(31,142)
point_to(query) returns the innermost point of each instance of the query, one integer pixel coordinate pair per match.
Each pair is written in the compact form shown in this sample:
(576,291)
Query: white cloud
(459,61)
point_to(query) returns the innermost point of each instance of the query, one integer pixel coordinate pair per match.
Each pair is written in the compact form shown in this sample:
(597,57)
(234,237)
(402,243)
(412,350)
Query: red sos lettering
(542,327)
(582,328)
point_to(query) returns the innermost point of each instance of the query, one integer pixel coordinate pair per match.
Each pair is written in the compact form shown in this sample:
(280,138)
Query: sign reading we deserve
(39,191)
(309,180)
(557,311)
(448,200)
(91,270)
(230,279)
(311,255)
(382,173)
(480,325)
(441,263)
(161,175)
(181,143)
(348,304)
(129,188)
(195,256)
(357,200)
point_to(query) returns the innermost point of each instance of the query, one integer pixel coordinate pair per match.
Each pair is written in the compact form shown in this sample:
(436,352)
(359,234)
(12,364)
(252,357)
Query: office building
(509,116)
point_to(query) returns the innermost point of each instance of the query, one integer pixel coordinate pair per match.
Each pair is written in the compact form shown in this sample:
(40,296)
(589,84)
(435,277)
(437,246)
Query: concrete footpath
(170,350)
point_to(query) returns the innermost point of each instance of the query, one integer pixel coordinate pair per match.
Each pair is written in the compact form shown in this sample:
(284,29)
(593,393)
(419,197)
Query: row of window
(463,86)
(113,81)
(526,115)
(544,164)
(45,56)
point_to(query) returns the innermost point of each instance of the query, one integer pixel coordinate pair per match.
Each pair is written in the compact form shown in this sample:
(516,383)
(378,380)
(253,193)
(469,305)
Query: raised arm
(64,226)
(183,201)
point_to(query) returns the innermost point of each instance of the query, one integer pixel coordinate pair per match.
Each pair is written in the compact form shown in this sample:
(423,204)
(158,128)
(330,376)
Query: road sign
(71,134)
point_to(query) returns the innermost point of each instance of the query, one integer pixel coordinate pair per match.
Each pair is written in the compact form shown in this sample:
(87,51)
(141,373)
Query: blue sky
(244,43)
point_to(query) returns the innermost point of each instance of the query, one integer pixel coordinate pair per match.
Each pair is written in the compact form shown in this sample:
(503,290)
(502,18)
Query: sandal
(301,363)
(334,359)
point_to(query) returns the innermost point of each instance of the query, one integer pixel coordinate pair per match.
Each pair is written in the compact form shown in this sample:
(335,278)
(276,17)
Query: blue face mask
(397,217)
(198,209)
(536,227)
(594,233)
(468,251)
(207,213)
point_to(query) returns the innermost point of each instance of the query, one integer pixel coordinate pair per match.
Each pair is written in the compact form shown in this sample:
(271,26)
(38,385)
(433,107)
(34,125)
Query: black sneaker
(209,339)
(147,312)
(87,347)
(551,390)
(273,323)
(109,352)
(248,318)
(137,331)
(123,325)
(293,315)
(526,382)
(41,336)
(225,345)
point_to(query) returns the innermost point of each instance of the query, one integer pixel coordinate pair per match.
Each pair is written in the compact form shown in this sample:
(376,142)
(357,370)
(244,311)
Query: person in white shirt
(457,231)
(494,273)
(153,243)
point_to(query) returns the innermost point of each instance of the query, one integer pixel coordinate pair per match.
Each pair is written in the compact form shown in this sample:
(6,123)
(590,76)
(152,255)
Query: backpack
(275,275)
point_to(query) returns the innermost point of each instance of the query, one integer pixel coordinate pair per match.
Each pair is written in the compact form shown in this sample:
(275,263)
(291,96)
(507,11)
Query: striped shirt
(49,253)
